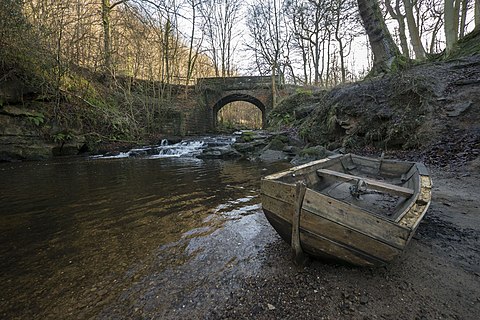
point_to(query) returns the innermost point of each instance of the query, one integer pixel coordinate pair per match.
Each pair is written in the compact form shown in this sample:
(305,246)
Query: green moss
(304,91)
(282,138)
(248,136)
(291,110)
(277,144)
(400,63)
(466,46)
(350,142)
(317,152)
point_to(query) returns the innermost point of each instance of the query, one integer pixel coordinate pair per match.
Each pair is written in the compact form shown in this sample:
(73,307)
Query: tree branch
(117,3)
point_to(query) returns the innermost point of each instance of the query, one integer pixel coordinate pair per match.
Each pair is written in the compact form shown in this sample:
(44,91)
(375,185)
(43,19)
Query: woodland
(107,232)
(112,70)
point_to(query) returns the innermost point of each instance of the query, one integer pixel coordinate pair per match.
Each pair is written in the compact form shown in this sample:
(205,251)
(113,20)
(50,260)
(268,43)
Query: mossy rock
(276,144)
(317,152)
(282,138)
(248,136)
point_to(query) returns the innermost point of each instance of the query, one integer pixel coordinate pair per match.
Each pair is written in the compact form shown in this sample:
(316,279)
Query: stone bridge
(212,94)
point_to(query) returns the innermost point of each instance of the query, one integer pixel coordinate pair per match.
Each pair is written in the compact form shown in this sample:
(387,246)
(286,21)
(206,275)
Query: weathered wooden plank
(347,236)
(300,189)
(282,209)
(388,166)
(355,218)
(330,229)
(334,225)
(279,190)
(319,246)
(414,182)
(305,168)
(372,184)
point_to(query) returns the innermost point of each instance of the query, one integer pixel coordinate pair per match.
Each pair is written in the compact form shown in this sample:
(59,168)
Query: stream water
(149,237)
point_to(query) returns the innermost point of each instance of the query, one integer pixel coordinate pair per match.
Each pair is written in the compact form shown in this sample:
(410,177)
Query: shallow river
(126,238)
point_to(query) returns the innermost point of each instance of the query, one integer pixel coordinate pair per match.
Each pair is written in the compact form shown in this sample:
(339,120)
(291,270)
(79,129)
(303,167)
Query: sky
(243,59)
(357,62)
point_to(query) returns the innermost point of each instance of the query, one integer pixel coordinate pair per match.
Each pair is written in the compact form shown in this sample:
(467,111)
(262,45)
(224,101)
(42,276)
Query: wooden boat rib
(360,210)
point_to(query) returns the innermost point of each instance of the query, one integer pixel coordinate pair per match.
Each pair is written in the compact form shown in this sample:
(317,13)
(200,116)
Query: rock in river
(220,152)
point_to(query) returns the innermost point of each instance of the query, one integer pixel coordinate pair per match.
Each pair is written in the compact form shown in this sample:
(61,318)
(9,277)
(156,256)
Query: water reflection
(103,238)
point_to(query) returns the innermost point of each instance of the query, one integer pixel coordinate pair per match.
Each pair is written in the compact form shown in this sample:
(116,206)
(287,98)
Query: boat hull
(334,229)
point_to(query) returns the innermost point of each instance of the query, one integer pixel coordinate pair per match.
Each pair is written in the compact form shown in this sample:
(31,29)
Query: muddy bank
(438,277)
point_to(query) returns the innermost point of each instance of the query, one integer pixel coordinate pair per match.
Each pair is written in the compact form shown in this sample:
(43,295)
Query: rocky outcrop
(21,137)
(18,137)
(24,131)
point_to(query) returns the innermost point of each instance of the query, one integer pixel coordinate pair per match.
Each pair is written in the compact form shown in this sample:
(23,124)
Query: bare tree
(107,8)
(220,18)
(344,15)
(193,49)
(397,14)
(312,28)
(266,25)
(413,30)
(463,17)
(298,18)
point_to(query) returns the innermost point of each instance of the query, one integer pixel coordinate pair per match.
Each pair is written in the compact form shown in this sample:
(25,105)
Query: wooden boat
(360,210)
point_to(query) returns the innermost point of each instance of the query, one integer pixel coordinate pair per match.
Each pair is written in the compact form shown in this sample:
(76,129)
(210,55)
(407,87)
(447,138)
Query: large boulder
(248,147)
(273,156)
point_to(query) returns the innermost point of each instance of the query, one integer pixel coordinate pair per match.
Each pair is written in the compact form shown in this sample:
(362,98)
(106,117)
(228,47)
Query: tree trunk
(274,86)
(385,51)
(327,75)
(339,40)
(305,64)
(403,37)
(451,8)
(107,50)
(191,60)
(413,30)
(433,42)
(397,15)
(463,18)
(477,14)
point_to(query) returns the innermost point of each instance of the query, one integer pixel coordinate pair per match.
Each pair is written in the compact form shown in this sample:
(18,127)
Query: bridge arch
(239,97)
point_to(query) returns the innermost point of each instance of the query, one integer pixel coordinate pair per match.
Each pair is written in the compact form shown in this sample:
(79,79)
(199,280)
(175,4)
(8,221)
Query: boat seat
(371,183)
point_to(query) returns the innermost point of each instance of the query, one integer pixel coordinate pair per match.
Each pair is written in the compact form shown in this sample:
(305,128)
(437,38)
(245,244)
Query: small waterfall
(188,148)
(181,149)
